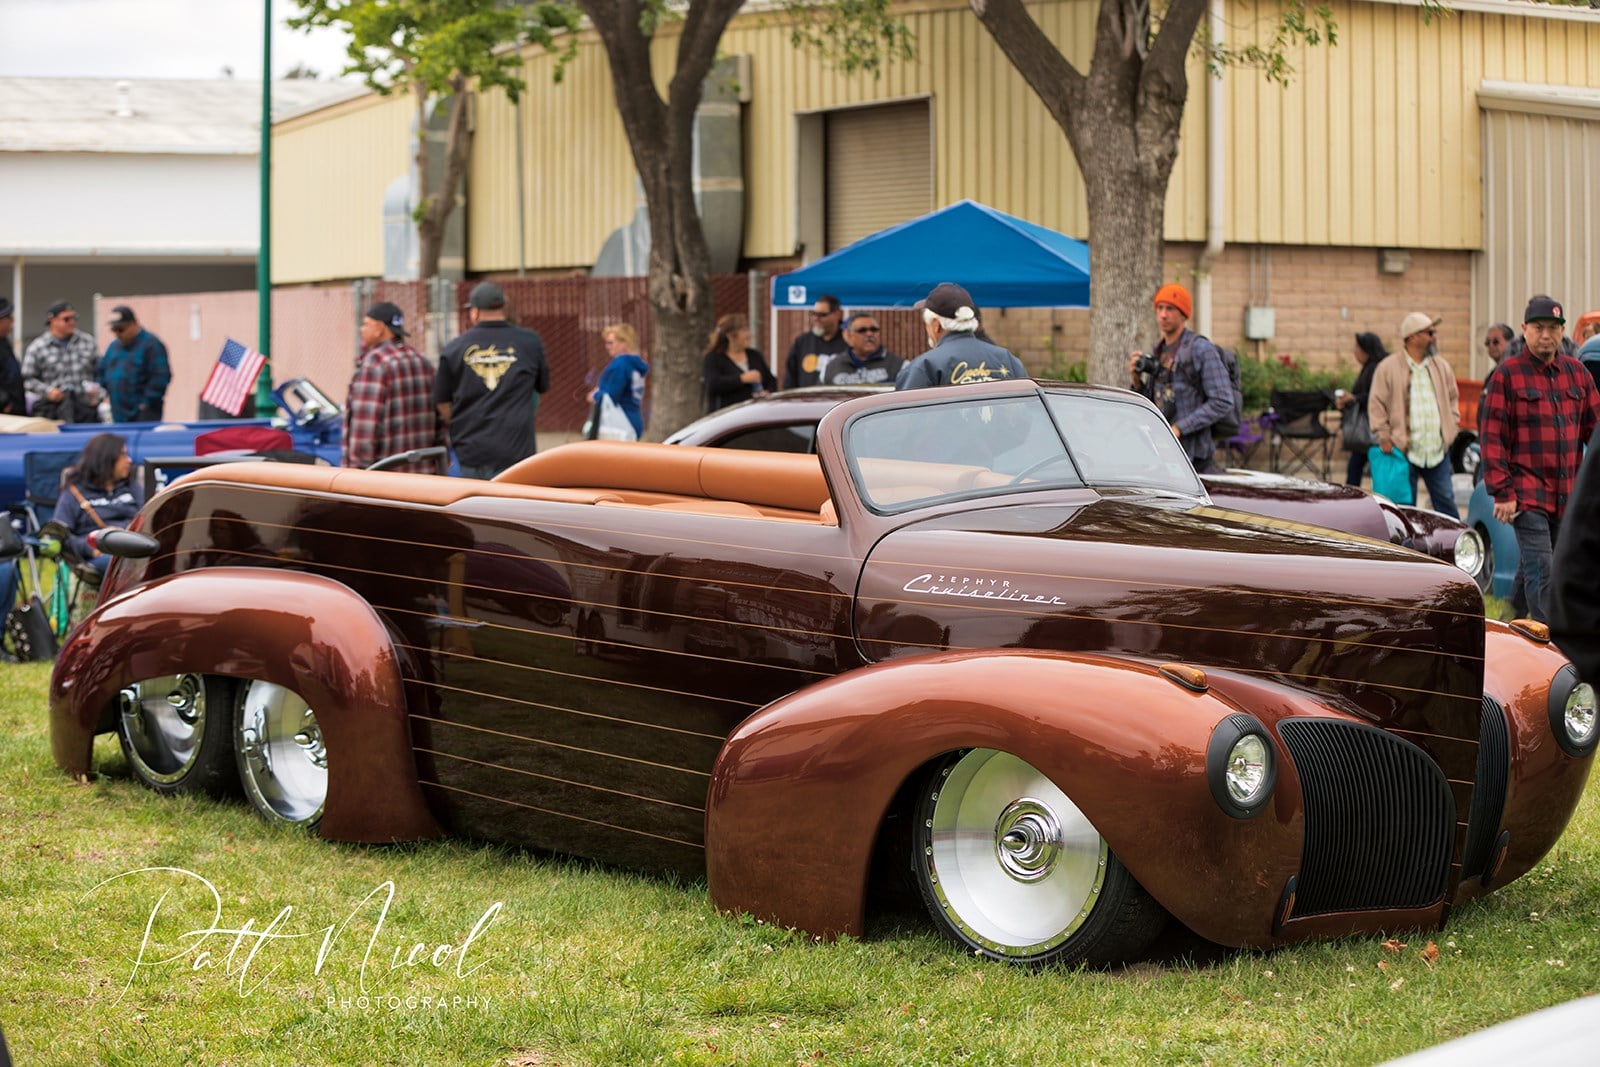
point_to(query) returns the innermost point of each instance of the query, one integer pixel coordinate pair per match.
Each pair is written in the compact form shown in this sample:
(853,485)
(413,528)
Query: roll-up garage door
(879,169)
(1541,207)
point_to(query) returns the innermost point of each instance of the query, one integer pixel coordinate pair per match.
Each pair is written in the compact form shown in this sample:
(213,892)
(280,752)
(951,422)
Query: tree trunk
(660,136)
(436,209)
(1122,121)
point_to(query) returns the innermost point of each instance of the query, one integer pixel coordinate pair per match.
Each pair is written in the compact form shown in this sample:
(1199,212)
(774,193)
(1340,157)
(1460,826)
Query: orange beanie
(1176,295)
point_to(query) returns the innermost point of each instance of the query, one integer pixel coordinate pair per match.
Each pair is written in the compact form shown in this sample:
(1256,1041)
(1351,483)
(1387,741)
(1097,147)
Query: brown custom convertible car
(997,636)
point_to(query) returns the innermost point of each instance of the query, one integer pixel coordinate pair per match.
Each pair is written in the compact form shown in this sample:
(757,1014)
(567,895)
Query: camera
(1146,366)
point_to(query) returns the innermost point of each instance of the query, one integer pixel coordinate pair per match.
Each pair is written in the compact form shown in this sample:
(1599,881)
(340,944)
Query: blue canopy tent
(1003,261)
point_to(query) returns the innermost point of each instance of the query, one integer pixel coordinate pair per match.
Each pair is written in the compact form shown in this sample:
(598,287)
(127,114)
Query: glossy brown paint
(299,631)
(572,670)
(574,667)
(1547,784)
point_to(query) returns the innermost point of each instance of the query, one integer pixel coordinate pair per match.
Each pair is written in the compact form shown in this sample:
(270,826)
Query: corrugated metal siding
(329,172)
(1377,140)
(1540,215)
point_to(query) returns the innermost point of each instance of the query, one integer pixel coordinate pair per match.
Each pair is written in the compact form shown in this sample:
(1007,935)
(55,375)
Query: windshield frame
(1062,455)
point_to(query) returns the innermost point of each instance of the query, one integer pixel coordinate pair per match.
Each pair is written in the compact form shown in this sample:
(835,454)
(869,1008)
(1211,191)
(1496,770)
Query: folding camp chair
(1300,439)
(1237,450)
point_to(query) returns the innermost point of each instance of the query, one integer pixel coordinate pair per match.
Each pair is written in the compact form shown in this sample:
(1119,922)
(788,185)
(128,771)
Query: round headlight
(1579,717)
(1469,552)
(1241,765)
(1247,769)
(1573,714)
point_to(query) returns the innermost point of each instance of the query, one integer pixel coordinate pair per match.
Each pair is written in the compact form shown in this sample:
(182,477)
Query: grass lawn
(103,960)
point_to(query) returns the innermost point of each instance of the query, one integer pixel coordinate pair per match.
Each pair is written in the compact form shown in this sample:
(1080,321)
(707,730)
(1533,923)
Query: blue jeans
(1441,493)
(1536,536)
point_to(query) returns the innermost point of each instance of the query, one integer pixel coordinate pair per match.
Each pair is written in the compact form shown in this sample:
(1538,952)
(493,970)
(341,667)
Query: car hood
(1388,631)
(1342,507)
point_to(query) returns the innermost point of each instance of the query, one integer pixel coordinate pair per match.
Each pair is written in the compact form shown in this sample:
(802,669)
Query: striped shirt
(1426,447)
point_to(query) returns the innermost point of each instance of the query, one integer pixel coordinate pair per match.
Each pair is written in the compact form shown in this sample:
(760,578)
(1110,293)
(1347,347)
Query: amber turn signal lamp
(1186,676)
(1533,631)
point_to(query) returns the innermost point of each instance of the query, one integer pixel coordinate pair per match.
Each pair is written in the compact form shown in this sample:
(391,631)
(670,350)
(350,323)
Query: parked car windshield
(911,456)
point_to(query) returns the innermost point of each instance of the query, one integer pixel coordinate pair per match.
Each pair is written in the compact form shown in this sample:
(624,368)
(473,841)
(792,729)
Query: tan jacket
(1388,405)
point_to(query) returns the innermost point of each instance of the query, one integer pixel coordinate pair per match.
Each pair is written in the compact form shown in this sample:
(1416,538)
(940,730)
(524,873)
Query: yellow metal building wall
(329,172)
(1374,142)
(1377,141)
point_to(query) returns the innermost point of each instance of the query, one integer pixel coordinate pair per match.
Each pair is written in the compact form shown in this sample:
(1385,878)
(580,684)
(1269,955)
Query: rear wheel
(1008,866)
(174,733)
(278,746)
(27,632)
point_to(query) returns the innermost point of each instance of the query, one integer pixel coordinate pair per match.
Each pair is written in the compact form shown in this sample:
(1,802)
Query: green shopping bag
(1391,475)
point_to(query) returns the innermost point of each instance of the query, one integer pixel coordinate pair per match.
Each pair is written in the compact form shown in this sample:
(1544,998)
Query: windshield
(910,456)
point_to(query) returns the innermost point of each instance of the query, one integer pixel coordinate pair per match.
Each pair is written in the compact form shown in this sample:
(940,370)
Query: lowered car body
(996,638)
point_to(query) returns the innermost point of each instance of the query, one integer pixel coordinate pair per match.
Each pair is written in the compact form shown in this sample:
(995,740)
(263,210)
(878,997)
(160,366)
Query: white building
(132,186)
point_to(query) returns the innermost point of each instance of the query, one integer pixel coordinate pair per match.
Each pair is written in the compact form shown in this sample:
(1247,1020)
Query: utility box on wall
(1259,324)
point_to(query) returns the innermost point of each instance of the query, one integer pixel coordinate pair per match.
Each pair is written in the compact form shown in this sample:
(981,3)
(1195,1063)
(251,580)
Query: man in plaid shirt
(1539,408)
(390,405)
(60,368)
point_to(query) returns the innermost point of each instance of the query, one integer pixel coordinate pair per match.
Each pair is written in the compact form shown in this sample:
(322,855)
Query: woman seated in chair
(99,492)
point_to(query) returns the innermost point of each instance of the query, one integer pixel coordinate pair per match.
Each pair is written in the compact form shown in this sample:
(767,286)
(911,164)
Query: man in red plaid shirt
(390,406)
(1539,408)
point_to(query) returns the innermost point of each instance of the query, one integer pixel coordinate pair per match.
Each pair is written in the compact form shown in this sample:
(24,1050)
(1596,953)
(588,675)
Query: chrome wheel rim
(163,724)
(282,762)
(1016,867)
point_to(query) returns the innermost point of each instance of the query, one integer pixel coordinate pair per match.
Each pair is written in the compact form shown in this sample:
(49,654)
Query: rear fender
(799,791)
(308,634)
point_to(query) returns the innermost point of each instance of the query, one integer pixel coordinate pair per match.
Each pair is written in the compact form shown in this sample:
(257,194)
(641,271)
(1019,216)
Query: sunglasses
(822,314)
(866,329)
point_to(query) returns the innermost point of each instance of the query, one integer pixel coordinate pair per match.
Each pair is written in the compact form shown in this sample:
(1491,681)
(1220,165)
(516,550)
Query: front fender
(308,634)
(800,789)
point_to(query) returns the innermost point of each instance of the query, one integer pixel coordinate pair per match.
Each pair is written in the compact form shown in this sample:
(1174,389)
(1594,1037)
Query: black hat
(1543,307)
(121,315)
(487,296)
(6,307)
(390,315)
(947,300)
(57,308)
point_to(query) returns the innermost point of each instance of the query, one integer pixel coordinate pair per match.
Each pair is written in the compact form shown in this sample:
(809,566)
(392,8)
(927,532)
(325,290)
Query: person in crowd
(100,493)
(13,398)
(489,384)
(1540,409)
(1496,341)
(867,362)
(1369,353)
(1189,382)
(957,355)
(812,350)
(1412,407)
(59,368)
(134,371)
(390,406)
(623,377)
(1575,579)
(734,371)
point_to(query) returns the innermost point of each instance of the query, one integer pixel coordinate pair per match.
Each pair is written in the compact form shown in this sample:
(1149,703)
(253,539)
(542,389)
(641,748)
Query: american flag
(233,378)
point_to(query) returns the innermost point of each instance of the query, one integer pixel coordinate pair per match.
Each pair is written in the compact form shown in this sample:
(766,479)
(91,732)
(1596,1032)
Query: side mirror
(125,544)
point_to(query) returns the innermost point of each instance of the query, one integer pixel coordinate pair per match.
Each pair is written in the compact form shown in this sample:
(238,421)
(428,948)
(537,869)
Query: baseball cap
(948,299)
(390,315)
(1416,322)
(7,309)
(121,315)
(1544,307)
(487,296)
(57,308)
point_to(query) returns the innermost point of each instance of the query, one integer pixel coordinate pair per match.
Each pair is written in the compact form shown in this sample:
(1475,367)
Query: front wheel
(278,746)
(174,733)
(1009,867)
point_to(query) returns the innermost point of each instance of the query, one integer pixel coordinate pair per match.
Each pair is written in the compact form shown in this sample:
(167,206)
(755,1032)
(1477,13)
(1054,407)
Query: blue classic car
(313,421)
